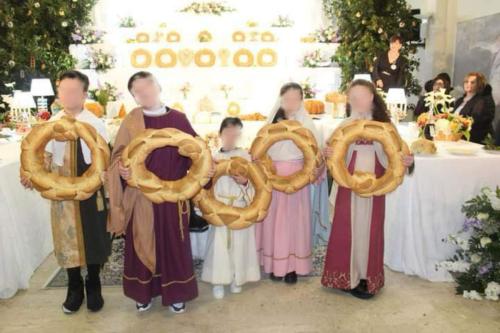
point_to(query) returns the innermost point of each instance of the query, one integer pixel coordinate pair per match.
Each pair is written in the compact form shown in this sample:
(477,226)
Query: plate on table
(468,150)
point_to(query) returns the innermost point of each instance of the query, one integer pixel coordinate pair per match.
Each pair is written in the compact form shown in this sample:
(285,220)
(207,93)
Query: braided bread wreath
(305,141)
(219,214)
(154,188)
(51,185)
(366,184)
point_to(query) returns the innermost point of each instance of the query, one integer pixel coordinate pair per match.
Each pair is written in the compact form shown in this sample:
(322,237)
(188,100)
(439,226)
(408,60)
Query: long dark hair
(280,114)
(380,112)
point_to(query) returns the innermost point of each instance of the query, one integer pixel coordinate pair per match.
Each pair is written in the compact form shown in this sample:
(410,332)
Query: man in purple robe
(158,257)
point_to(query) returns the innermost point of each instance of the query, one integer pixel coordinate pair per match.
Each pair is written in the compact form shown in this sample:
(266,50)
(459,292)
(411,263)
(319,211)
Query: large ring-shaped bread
(141,53)
(238,55)
(262,62)
(154,188)
(267,36)
(302,138)
(366,184)
(201,54)
(217,213)
(51,185)
(172,58)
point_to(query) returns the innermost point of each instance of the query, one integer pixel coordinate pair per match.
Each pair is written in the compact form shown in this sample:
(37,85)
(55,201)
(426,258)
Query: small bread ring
(201,54)
(141,53)
(154,188)
(51,185)
(166,52)
(239,36)
(366,184)
(219,214)
(305,141)
(173,37)
(243,53)
(233,109)
(142,37)
(267,36)
(261,58)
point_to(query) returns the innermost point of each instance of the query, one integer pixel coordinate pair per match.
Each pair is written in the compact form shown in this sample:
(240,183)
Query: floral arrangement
(282,21)
(211,8)
(104,94)
(308,88)
(328,34)
(87,35)
(449,123)
(438,101)
(226,89)
(475,266)
(315,59)
(98,60)
(127,22)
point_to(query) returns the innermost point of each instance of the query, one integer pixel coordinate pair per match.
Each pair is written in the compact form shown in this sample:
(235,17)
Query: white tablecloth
(25,232)
(427,207)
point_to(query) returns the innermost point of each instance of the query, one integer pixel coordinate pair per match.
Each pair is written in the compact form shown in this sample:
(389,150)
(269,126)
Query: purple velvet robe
(174,278)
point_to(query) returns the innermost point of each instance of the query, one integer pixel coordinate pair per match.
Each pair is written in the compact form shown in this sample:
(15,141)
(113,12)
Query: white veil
(286,150)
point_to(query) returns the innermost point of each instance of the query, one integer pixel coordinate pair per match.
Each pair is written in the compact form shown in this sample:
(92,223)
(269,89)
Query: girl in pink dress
(284,237)
(355,256)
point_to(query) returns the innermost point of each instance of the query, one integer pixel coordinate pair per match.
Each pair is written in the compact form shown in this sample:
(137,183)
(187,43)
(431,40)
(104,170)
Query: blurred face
(361,100)
(470,84)
(230,136)
(438,84)
(395,46)
(71,94)
(146,92)
(291,101)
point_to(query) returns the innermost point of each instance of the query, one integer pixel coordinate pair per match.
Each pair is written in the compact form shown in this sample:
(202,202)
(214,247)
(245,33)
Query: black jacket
(481,108)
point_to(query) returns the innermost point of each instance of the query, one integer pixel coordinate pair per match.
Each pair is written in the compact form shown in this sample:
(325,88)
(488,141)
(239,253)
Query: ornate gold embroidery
(156,276)
(335,279)
(284,258)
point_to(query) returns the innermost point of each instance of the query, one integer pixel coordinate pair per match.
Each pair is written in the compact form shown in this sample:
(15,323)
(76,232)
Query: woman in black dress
(389,68)
(478,103)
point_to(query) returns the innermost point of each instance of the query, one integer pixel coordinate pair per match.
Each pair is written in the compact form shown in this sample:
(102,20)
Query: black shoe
(74,297)
(275,278)
(291,278)
(361,291)
(95,302)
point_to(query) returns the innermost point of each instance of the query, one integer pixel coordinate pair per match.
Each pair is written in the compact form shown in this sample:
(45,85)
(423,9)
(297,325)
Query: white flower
(37,5)
(492,197)
(474,295)
(475,258)
(485,241)
(12,63)
(454,266)
(492,291)
(64,24)
(10,24)
(483,216)
(358,14)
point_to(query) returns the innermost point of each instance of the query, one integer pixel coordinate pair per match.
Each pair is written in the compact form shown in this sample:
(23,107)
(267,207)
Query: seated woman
(477,102)
(441,81)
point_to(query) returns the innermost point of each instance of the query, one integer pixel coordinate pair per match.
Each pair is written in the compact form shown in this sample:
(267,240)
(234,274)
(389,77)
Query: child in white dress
(231,257)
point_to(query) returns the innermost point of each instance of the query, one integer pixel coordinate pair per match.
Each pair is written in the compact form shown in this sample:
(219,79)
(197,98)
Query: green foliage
(34,39)
(365,28)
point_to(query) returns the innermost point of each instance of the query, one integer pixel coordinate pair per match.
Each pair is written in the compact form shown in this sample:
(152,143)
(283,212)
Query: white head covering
(57,148)
(286,150)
